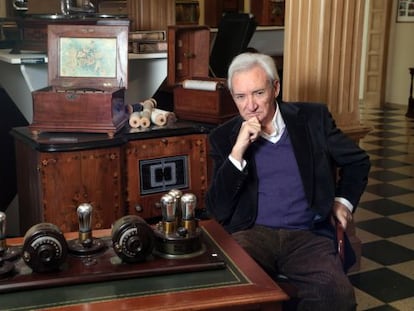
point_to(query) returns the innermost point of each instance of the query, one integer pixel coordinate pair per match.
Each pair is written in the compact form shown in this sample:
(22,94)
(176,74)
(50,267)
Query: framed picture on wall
(405,11)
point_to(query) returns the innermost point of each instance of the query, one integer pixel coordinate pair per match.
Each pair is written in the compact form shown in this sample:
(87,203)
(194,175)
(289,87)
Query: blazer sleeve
(351,161)
(226,182)
(230,189)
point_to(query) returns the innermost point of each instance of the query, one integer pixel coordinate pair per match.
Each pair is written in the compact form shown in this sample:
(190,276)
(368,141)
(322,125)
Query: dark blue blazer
(320,148)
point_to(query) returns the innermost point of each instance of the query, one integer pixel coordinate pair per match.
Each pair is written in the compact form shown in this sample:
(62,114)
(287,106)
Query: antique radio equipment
(178,234)
(7,254)
(132,248)
(132,239)
(45,248)
(197,97)
(86,244)
(87,71)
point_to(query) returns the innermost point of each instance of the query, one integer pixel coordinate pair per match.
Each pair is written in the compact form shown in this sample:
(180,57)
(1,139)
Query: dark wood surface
(255,291)
(51,185)
(268,12)
(188,58)
(193,146)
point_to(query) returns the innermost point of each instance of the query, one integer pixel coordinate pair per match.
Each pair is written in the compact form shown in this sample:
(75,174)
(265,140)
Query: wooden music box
(87,77)
(197,97)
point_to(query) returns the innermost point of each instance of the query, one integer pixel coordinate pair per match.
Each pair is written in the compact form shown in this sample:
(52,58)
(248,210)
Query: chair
(233,36)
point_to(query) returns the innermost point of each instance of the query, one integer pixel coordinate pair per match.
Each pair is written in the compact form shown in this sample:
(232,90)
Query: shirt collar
(278,124)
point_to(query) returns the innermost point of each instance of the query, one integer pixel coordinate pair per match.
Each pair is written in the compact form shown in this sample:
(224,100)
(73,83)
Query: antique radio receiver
(132,248)
(197,97)
(87,70)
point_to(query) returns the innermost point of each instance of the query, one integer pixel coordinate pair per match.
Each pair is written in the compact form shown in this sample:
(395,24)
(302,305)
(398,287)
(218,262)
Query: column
(322,56)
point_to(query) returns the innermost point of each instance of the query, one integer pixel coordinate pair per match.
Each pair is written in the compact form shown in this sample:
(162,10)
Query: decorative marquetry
(165,153)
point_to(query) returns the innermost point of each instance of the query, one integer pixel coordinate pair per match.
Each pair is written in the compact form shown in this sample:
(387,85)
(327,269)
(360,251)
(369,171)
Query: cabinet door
(103,185)
(155,166)
(71,178)
(62,188)
(268,12)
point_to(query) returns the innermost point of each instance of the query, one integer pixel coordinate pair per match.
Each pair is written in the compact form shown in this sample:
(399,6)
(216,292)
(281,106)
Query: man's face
(254,94)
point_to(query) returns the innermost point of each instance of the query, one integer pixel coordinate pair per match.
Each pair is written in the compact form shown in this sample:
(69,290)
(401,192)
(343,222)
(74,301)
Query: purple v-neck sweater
(282,202)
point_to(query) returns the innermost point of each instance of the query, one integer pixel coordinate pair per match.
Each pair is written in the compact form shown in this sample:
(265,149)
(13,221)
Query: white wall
(400,59)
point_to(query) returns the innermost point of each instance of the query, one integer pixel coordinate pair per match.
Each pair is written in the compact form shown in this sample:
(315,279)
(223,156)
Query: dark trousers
(309,261)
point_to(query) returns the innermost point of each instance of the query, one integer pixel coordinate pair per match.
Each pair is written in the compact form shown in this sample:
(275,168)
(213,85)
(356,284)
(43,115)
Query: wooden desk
(243,285)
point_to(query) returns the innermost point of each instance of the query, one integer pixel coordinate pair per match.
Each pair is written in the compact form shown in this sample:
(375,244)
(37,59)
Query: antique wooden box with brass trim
(87,77)
(197,97)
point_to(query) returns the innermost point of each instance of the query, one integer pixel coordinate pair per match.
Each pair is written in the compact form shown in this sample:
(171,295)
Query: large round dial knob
(44,248)
(132,239)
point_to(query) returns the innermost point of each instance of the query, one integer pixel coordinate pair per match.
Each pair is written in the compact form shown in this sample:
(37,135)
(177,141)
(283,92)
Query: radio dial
(44,248)
(132,238)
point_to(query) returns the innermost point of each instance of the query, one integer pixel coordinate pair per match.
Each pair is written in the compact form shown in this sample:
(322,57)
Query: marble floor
(384,219)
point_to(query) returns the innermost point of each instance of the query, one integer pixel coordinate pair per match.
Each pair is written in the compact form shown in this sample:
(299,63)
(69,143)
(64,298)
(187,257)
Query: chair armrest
(340,239)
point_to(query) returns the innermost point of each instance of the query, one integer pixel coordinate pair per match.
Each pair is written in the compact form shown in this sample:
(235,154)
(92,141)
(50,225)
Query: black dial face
(132,238)
(131,242)
(45,248)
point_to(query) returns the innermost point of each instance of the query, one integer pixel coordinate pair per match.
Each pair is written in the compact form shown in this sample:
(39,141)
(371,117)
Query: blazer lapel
(235,131)
(297,127)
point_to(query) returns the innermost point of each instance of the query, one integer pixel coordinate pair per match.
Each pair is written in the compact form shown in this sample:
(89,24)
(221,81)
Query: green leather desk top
(67,295)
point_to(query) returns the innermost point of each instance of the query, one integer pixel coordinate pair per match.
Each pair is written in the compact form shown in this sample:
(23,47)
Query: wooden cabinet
(268,12)
(51,185)
(120,175)
(112,7)
(187,12)
(151,14)
(154,166)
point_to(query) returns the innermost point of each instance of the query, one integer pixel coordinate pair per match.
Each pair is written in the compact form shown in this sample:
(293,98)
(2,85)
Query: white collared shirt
(279,126)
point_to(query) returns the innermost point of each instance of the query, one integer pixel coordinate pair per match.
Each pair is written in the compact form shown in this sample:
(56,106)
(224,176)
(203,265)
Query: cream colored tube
(135,119)
(159,117)
(145,119)
(148,105)
(200,85)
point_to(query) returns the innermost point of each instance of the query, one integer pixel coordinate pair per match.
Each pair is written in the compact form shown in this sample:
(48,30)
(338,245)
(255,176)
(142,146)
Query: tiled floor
(385,216)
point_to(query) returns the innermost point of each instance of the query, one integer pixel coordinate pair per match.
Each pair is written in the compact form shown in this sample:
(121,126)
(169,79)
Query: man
(274,186)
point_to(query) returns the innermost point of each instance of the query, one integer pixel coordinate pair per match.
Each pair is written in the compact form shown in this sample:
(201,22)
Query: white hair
(246,61)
